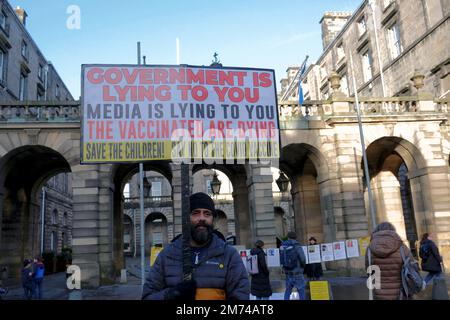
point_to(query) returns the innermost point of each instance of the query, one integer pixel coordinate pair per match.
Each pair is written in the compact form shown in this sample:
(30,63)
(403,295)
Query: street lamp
(147,187)
(282,182)
(215,184)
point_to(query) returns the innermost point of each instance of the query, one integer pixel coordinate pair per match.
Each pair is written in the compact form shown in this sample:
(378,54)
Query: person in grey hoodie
(218,272)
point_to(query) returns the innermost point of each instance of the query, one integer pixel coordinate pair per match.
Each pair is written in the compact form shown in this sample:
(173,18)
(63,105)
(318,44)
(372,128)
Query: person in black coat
(313,270)
(260,285)
(431,259)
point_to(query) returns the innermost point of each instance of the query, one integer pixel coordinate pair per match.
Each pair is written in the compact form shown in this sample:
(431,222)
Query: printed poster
(314,254)
(327,252)
(352,248)
(339,250)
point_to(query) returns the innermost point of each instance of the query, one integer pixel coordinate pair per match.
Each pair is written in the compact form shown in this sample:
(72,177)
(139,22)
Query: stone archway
(238,176)
(23,171)
(306,169)
(120,174)
(398,182)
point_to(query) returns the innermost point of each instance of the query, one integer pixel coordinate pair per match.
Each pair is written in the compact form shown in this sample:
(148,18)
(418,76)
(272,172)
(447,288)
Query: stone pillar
(242,213)
(87,241)
(350,215)
(386,191)
(259,183)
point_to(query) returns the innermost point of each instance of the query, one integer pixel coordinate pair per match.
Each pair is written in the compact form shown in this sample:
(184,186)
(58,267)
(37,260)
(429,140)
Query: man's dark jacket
(221,268)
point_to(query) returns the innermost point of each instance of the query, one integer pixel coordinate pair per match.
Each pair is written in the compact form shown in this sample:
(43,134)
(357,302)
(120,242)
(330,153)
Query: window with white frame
(24,50)
(340,52)
(53,241)
(156,189)
(367,65)
(362,27)
(344,84)
(395,45)
(386,3)
(3,65)
(2,20)
(323,72)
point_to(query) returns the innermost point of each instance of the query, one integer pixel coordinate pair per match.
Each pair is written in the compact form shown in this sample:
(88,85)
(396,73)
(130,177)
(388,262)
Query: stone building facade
(394,34)
(26,76)
(25,73)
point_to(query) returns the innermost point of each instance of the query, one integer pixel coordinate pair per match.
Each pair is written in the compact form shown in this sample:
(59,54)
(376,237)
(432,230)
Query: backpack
(39,272)
(288,256)
(252,264)
(412,281)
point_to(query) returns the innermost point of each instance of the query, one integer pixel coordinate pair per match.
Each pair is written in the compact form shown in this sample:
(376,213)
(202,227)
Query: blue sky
(245,33)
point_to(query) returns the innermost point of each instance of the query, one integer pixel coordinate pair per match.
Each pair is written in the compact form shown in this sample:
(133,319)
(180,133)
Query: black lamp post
(147,187)
(215,184)
(282,182)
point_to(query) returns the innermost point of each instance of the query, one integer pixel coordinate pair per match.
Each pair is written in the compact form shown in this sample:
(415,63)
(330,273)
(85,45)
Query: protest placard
(135,113)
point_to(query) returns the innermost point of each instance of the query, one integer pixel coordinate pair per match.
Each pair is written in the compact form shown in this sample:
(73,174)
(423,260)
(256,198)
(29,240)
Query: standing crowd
(33,272)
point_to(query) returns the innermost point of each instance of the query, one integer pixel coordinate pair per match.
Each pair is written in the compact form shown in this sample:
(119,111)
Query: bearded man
(218,272)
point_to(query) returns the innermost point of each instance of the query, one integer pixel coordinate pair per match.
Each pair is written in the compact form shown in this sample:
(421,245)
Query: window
(367,65)
(40,95)
(2,20)
(386,3)
(3,65)
(23,87)
(41,72)
(24,50)
(323,72)
(55,217)
(395,45)
(344,84)
(53,241)
(340,52)
(64,219)
(156,189)
(362,28)
(57,91)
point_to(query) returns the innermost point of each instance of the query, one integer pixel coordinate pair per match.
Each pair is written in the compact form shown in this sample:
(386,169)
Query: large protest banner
(136,113)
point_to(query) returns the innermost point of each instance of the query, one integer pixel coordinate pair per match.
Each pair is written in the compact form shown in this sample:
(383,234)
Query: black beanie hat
(201,200)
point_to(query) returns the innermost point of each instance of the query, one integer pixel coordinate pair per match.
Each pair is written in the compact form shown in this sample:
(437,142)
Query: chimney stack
(332,23)
(21,13)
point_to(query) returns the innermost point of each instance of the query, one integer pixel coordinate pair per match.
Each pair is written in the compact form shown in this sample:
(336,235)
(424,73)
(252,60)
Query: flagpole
(141,197)
(289,89)
(363,146)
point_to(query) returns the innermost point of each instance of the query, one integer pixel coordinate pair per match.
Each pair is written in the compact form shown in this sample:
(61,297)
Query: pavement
(54,288)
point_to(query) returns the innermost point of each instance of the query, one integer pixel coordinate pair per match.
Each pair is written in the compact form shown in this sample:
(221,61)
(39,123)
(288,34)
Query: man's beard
(201,236)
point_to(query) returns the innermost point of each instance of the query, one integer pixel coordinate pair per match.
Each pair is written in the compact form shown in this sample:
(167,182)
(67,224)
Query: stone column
(259,183)
(242,213)
(87,240)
